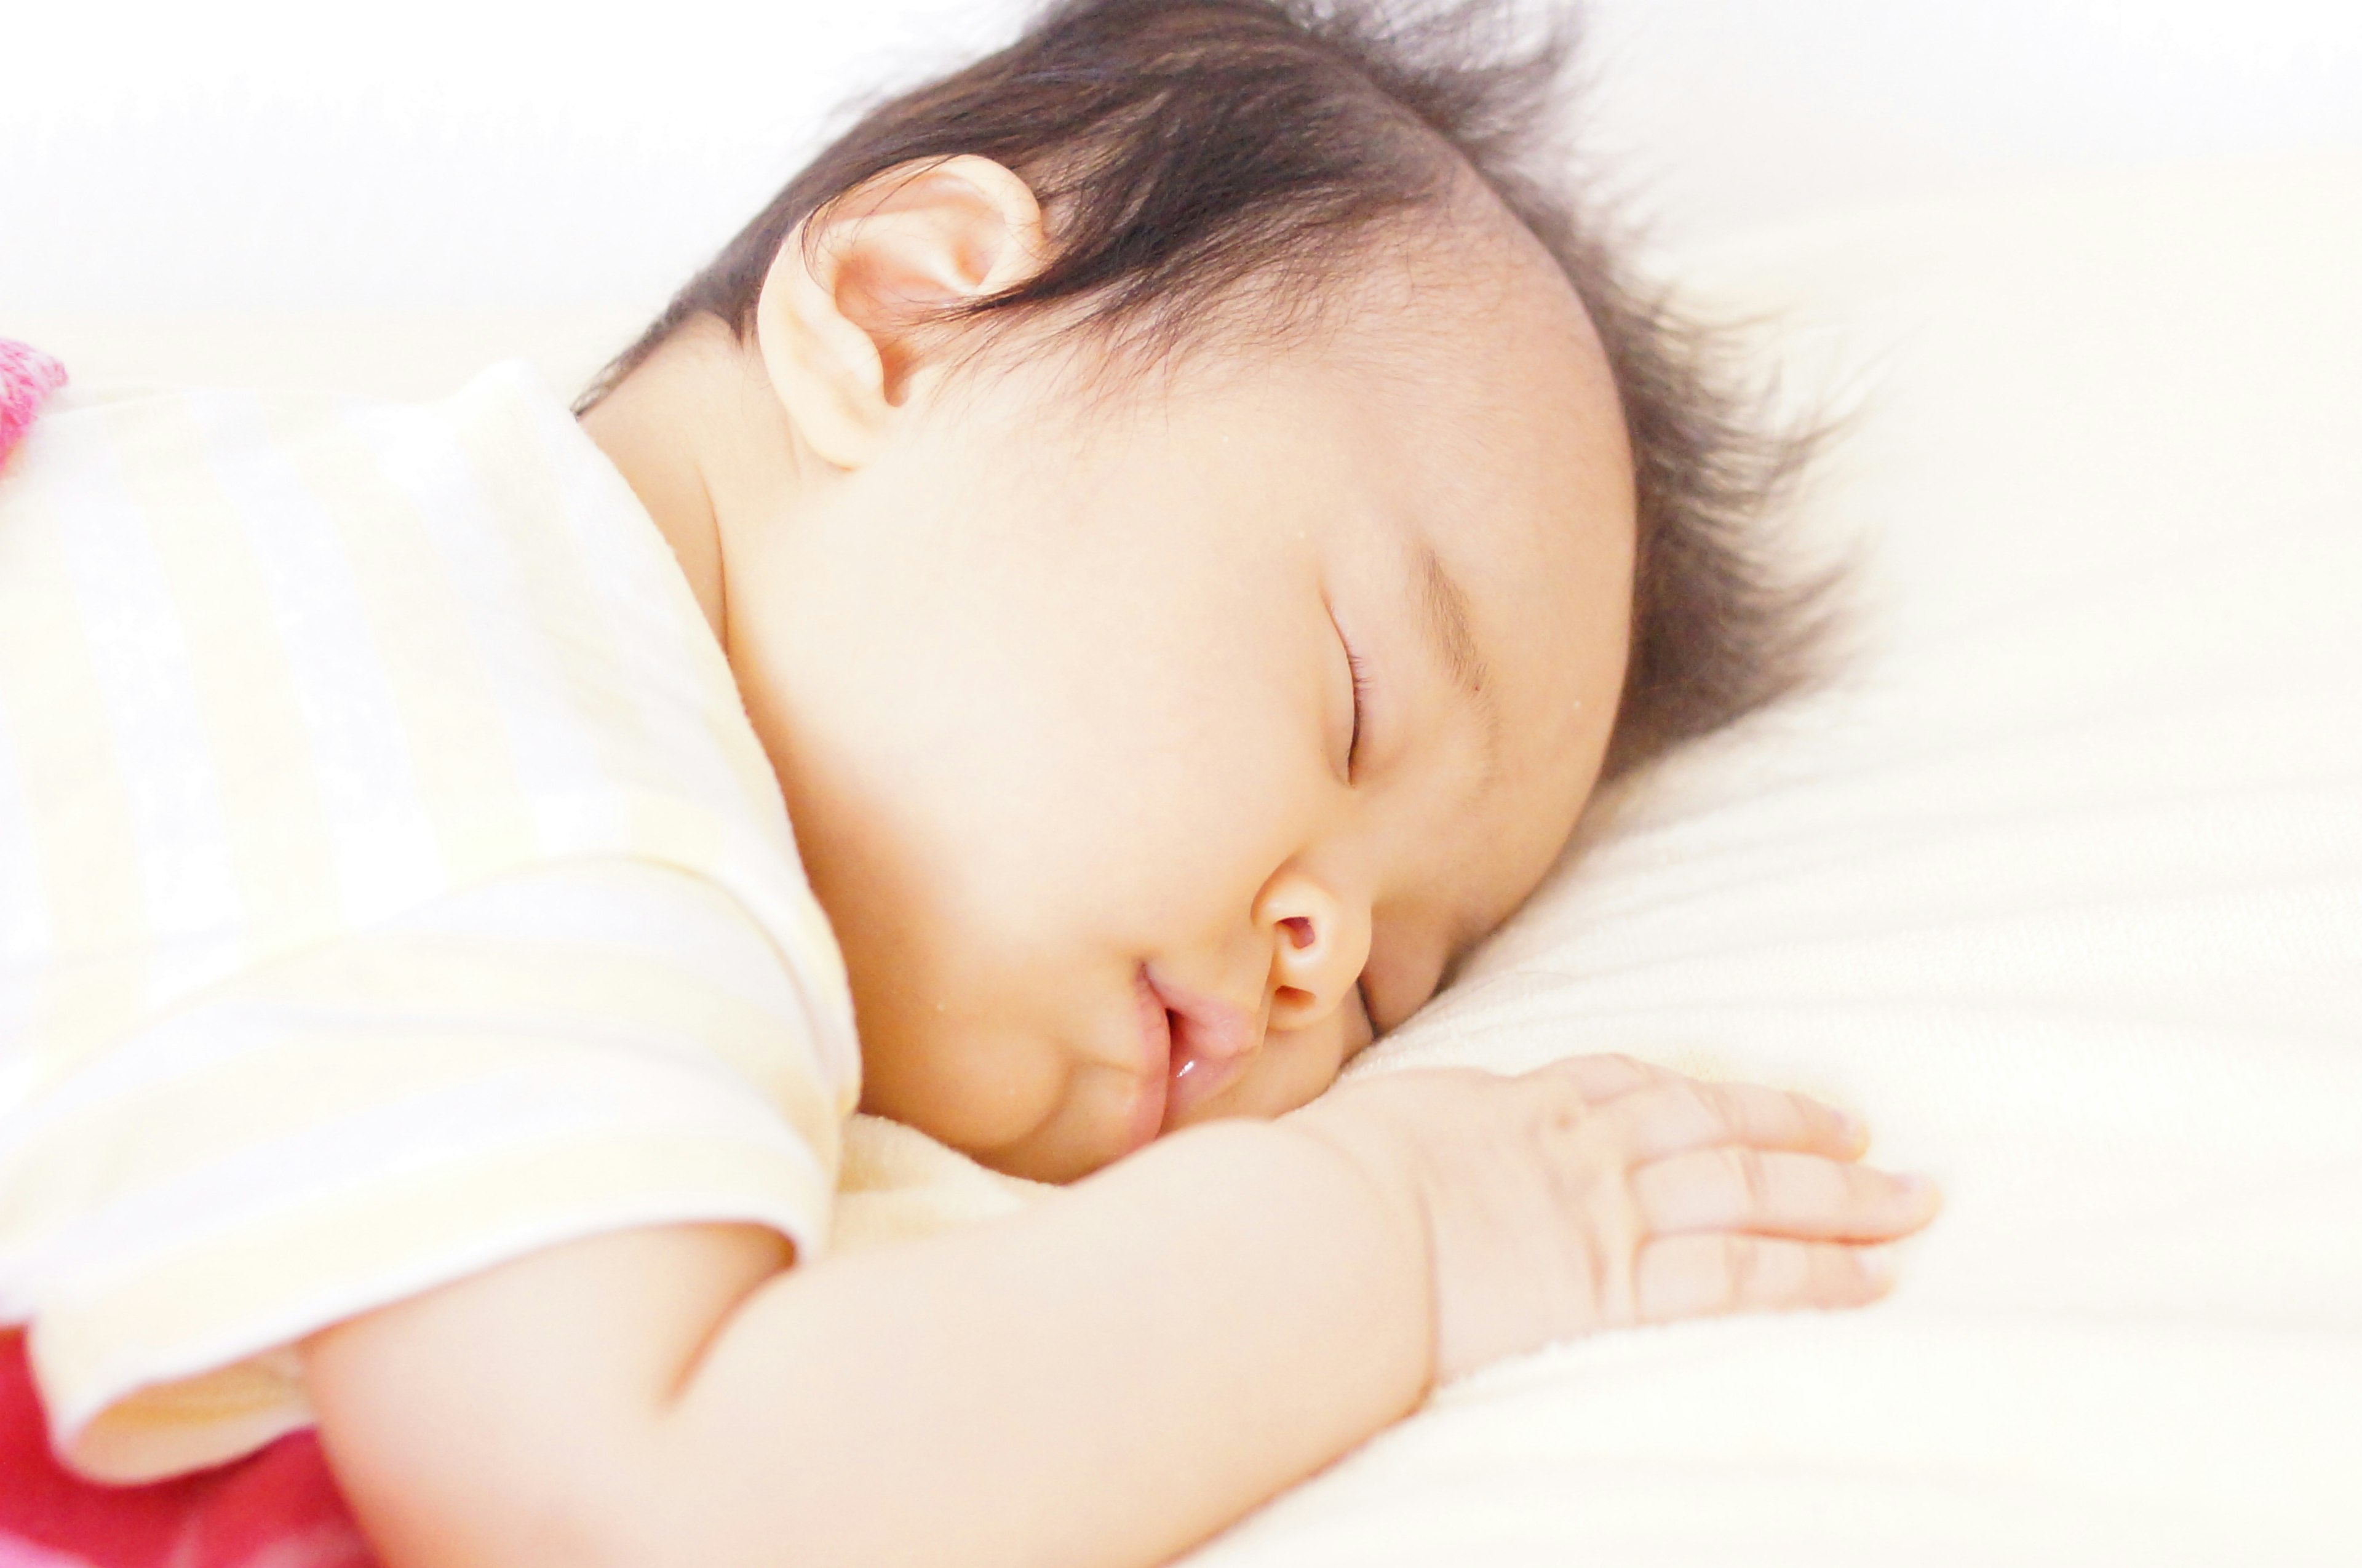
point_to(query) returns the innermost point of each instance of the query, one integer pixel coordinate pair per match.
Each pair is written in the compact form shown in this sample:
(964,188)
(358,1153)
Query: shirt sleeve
(552,1055)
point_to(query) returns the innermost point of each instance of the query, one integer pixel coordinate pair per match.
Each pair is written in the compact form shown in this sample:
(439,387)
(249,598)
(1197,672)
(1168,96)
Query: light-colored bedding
(2061,882)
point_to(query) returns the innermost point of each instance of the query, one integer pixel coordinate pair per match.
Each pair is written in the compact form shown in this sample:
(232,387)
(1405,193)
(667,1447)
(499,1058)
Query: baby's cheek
(975,1088)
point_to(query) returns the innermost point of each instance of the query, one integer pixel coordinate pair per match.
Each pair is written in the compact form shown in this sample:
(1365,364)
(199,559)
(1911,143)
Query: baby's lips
(1197,1079)
(1212,1044)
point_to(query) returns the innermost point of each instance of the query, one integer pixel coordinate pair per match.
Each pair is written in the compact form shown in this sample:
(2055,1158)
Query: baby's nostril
(1289,996)
(1299,930)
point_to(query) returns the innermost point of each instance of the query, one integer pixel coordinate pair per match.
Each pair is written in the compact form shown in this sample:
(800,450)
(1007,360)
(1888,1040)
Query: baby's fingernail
(1856,1130)
(1878,1266)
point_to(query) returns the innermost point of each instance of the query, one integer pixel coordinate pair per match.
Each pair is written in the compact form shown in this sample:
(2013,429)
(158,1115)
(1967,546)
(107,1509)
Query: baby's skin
(1153,741)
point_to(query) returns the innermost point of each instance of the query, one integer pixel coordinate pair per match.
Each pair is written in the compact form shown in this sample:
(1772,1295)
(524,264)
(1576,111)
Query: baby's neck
(697,432)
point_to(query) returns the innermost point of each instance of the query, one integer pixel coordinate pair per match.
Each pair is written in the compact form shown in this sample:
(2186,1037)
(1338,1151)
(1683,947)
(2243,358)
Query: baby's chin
(1034,1158)
(1085,1133)
(1046,1126)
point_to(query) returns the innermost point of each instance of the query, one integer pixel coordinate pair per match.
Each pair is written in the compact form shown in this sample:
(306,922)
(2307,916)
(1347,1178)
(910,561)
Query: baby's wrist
(1382,1166)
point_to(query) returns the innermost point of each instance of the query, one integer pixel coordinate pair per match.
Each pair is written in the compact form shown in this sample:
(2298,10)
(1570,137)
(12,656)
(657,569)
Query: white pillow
(2061,884)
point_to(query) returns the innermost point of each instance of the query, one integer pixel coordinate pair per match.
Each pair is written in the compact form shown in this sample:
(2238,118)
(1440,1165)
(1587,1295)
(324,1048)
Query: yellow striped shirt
(391,885)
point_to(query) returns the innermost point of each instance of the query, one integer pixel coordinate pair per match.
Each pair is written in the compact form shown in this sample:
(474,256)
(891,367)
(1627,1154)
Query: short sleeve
(576,1050)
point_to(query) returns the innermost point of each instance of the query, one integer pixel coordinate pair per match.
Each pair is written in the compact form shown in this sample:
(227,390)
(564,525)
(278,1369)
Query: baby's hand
(1601,1192)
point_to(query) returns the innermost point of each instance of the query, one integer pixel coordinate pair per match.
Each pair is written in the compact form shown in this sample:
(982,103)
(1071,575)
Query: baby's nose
(1318,948)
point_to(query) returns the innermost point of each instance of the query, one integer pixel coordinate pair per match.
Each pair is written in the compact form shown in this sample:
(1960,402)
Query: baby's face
(1147,764)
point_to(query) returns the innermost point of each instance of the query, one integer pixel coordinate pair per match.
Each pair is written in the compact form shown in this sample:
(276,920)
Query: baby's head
(1194,516)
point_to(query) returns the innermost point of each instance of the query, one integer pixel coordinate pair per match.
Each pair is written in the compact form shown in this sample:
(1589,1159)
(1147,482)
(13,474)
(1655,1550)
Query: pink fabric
(276,1508)
(28,377)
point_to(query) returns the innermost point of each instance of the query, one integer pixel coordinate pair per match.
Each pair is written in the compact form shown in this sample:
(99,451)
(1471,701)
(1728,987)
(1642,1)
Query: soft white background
(501,156)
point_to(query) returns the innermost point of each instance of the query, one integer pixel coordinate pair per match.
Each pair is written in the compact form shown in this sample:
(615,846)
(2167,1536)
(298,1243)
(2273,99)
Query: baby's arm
(1102,1379)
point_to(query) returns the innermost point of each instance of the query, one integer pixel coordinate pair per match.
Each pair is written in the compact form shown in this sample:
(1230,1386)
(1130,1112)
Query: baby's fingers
(1697,1277)
(1772,1193)
(1604,1077)
(1678,1115)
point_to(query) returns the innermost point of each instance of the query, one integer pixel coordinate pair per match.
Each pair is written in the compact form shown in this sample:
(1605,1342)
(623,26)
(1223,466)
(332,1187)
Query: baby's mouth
(1208,1045)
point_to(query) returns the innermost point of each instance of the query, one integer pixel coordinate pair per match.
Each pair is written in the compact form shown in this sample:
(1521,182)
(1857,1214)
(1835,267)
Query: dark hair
(1185,150)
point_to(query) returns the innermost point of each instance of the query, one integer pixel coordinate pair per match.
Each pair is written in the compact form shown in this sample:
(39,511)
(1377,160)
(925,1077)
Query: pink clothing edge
(28,377)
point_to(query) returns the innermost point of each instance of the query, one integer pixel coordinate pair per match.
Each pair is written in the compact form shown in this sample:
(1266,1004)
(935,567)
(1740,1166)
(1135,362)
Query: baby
(1115,581)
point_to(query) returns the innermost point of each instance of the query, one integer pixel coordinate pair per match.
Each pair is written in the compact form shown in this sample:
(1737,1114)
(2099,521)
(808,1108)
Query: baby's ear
(841,320)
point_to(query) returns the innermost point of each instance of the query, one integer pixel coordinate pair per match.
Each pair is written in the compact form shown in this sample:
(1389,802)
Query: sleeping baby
(1067,629)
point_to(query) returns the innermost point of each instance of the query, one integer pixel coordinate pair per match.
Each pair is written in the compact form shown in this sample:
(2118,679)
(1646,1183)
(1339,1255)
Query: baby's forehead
(1455,301)
(1491,416)
(1484,349)
(1467,264)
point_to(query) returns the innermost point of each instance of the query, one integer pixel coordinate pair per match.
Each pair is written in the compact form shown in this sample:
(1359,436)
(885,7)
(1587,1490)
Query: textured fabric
(28,377)
(279,1509)
(390,885)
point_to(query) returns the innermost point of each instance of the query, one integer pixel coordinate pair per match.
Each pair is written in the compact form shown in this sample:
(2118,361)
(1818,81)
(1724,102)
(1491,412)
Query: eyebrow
(1452,645)
(1447,626)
